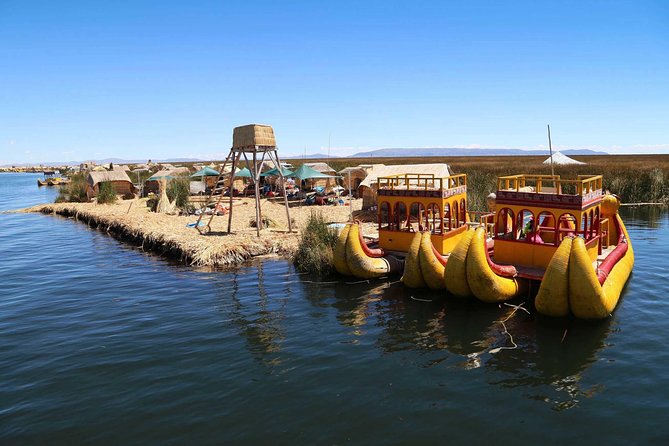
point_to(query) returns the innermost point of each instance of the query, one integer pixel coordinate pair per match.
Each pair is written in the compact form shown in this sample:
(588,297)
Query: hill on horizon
(457,151)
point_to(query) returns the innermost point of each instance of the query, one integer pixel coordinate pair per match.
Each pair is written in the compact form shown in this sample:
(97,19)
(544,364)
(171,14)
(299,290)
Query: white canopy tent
(560,159)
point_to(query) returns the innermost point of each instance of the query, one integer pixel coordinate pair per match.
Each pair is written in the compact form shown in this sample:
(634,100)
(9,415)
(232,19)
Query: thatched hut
(353,176)
(369,186)
(119,180)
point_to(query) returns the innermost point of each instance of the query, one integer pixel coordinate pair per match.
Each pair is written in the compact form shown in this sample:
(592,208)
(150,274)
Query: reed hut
(119,180)
(369,186)
(353,176)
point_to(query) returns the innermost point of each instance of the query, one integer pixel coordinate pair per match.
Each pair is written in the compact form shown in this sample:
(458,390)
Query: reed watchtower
(255,143)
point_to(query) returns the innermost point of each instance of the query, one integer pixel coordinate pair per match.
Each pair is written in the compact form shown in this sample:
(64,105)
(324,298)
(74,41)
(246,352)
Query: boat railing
(421,181)
(550,184)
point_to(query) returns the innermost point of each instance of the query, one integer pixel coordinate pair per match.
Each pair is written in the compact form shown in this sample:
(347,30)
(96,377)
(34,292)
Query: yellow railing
(550,184)
(421,181)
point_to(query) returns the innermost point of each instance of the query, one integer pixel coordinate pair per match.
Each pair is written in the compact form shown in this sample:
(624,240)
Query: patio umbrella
(243,173)
(305,172)
(275,172)
(206,172)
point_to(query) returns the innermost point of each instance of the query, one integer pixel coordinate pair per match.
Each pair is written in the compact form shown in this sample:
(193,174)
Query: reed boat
(565,235)
(50,179)
(421,219)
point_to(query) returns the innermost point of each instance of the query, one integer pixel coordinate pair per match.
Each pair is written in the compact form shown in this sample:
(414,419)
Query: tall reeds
(106,193)
(315,249)
(75,191)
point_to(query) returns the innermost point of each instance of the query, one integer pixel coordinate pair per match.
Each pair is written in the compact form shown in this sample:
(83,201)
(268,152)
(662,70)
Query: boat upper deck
(550,191)
(422,185)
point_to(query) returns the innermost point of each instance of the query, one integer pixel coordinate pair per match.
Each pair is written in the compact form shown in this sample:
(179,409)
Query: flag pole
(550,147)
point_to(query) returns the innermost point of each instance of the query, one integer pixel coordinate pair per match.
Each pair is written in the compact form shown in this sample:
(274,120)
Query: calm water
(102,343)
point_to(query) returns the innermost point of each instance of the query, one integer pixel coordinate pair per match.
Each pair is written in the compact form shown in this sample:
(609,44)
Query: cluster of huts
(360,180)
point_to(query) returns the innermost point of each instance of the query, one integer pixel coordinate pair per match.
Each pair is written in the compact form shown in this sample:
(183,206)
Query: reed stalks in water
(315,250)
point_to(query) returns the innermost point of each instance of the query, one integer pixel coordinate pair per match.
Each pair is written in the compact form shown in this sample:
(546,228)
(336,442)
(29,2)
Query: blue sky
(162,79)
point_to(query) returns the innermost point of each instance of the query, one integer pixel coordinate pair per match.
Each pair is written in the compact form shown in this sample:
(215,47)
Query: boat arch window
(435,222)
(591,228)
(416,216)
(596,223)
(463,212)
(385,216)
(566,226)
(400,216)
(524,224)
(504,224)
(447,216)
(456,215)
(546,229)
(583,229)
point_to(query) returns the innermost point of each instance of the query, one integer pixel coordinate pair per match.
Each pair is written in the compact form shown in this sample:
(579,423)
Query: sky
(171,79)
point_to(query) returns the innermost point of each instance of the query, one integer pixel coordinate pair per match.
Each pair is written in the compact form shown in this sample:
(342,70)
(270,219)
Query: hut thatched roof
(252,135)
(94,178)
(321,167)
(561,159)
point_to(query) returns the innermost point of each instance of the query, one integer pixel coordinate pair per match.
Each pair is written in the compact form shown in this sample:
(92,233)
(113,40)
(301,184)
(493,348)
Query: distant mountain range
(456,151)
(309,156)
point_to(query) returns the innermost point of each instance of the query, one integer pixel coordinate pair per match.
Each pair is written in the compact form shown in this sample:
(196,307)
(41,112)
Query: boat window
(435,223)
(417,216)
(447,216)
(595,223)
(583,229)
(385,216)
(524,224)
(504,225)
(591,229)
(463,212)
(399,216)
(456,215)
(566,226)
(545,232)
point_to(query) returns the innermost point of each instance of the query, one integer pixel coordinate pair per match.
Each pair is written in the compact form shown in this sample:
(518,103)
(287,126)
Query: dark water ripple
(102,343)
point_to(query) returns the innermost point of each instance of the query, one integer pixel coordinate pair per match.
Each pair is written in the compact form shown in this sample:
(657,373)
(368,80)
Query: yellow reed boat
(421,219)
(565,235)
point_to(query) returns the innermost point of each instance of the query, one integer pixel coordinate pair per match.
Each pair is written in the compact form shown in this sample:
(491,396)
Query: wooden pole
(256,179)
(235,159)
(550,147)
(283,186)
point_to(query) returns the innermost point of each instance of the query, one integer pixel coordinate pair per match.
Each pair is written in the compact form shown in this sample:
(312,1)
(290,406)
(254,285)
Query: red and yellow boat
(564,235)
(421,219)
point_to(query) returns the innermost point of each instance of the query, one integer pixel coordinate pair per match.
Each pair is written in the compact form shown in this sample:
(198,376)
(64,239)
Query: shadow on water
(543,357)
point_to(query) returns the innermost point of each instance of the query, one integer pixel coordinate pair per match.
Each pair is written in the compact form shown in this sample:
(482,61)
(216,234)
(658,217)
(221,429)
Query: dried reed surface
(168,234)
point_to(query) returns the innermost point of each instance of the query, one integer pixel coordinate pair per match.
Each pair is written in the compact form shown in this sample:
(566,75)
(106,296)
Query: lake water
(101,343)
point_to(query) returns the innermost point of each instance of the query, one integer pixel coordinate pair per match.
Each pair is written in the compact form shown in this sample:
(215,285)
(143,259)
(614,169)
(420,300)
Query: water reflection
(545,357)
(259,319)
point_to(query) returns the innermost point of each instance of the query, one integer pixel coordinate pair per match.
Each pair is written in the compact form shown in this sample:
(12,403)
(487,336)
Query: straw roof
(437,169)
(321,167)
(169,173)
(561,159)
(121,167)
(252,135)
(94,178)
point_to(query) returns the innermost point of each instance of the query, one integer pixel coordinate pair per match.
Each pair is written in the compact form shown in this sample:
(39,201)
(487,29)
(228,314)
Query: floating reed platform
(132,221)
